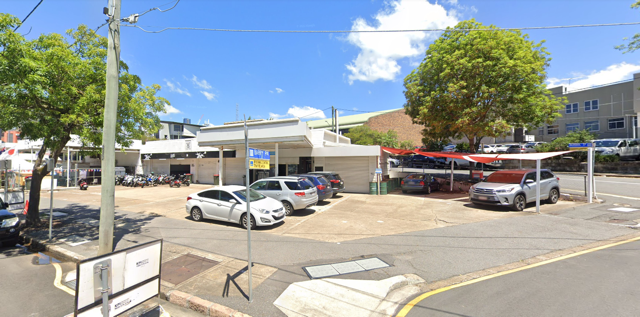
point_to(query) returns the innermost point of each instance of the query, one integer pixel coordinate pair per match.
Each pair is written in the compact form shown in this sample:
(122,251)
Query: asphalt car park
(342,218)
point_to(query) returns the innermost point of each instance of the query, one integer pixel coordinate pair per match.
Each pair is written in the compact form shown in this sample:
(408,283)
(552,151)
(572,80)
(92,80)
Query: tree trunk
(39,172)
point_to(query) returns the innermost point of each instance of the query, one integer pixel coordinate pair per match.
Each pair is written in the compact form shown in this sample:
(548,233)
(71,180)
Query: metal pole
(68,165)
(108,199)
(451,185)
(75,180)
(6,181)
(246,162)
(337,128)
(104,271)
(277,155)
(538,186)
(221,166)
(590,175)
(51,200)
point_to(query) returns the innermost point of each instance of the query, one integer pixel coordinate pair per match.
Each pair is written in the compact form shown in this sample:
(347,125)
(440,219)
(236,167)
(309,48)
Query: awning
(396,151)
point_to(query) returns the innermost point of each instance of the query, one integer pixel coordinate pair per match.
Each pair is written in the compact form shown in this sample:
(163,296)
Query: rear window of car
(416,176)
(302,184)
(323,180)
(506,178)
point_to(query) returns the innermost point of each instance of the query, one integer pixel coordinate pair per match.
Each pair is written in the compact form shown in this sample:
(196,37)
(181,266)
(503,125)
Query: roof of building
(175,122)
(348,121)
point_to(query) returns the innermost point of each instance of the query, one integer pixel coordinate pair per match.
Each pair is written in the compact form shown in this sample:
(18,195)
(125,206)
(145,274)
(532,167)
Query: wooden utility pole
(108,198)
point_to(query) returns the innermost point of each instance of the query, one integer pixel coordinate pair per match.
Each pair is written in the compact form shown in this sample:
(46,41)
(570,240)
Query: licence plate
(280,214)
(483,197)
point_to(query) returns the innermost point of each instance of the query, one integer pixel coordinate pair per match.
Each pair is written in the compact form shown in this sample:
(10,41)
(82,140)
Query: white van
(626,149)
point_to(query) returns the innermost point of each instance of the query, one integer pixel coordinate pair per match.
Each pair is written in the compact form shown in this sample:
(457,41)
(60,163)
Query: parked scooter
(175,181)
(185,180)
(82,183)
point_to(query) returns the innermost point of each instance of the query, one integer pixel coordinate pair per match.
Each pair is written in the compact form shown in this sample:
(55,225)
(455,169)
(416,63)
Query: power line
(28,15)
(323,110)
(158,8)
(377,31)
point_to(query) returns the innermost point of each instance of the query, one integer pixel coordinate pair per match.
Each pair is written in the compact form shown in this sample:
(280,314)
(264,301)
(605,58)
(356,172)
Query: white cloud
(200,83)
(209,95)
(271,91)
(279,90)
(305,112)
(177,88)
(380,52)
(169,110)
(611,74)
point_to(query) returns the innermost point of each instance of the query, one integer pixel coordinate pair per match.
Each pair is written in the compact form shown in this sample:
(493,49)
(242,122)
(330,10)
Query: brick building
(399,122)
(11,136)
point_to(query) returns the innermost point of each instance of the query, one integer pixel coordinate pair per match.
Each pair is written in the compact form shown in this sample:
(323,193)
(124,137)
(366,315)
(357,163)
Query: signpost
(589,147)
(110,284)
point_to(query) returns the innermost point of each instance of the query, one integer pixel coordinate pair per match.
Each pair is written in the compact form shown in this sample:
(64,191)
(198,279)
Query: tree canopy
(478,81)
(54,86)
(634,42)
(364,135)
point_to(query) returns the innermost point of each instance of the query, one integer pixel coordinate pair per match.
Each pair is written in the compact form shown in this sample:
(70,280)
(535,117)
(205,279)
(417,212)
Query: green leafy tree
(388,139)
(362,135)
(51,88)
(407,145)
(480,83)
(562,143)
(634,42)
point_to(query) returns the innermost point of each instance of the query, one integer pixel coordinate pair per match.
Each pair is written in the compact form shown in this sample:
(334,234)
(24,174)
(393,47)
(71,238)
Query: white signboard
(133,277)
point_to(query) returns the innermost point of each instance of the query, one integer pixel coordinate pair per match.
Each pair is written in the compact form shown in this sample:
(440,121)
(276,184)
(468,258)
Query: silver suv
(515,188)
(294,192)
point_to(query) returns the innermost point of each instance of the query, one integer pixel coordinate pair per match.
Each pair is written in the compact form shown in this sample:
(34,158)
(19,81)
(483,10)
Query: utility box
(477,175)
(216,179)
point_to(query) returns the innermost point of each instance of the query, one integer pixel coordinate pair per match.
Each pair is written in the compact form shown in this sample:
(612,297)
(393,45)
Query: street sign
(580,146)
(259,154)
(378,171)
(118,281)
(258,164)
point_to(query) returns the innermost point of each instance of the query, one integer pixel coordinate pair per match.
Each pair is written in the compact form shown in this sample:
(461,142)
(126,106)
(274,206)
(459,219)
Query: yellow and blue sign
(580,146)
(259,159)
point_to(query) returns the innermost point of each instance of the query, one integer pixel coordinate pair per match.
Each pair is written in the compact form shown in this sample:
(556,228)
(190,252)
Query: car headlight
(505,190)
(264,211)
(7,223)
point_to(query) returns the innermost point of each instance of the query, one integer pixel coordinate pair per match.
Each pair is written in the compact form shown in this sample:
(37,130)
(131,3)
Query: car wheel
(554,195)
(243,221)
(196,214)
(519,203)
(428,189)
(288,208)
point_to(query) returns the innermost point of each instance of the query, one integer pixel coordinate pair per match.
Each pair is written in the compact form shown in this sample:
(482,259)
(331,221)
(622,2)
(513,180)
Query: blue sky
(205,74)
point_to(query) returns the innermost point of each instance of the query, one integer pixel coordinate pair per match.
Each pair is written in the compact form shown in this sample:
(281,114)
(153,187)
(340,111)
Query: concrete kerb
(179,298)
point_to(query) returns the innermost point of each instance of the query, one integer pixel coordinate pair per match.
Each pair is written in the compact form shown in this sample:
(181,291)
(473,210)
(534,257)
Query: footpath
(205,268)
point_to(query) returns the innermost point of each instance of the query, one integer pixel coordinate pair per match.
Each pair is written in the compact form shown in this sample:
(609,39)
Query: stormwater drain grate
(185,267)
(327,270)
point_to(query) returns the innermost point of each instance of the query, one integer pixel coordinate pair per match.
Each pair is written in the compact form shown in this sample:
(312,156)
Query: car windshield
(607,143)
(505,178)
(252,193)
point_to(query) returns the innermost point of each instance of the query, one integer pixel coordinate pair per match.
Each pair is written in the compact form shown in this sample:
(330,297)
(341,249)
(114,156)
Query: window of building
(541,131)
(635,122)
(617,123)
(552,129)
(177,128)
(591,105)
(572,127)
(592,126)
(571,108)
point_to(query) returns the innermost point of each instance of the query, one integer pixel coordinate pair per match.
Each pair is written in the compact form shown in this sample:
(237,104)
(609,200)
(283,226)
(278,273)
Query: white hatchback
(228,203)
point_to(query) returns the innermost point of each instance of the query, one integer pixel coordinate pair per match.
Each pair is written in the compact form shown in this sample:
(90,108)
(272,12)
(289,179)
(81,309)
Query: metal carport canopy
(488,158)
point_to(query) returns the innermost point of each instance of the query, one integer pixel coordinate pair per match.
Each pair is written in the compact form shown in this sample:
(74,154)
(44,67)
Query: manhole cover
(185,267)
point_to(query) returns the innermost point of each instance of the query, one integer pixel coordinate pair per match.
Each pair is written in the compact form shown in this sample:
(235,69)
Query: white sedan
(228,203)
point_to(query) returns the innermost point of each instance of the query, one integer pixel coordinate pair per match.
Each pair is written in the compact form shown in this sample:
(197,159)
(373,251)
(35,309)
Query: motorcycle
(175,182)
(82,183)
(140,181)
(185,180)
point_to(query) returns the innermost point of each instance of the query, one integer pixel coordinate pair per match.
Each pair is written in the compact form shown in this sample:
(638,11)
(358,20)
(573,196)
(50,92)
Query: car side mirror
(529,181)
(233,201)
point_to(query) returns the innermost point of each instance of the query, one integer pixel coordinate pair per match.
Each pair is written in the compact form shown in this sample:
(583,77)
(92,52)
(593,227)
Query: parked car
(515,188)
(502,148)
(322,185)
(294,192)
(421,161)
(393,162)
(489,148)
(419,182)
(449,148)
(337,184)
(229,203)
(516,149)
(10,226)
(626,149)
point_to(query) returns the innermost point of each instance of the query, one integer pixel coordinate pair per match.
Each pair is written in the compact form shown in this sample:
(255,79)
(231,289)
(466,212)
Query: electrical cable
(323,110)
(158,8)
(378,31)
(28,15)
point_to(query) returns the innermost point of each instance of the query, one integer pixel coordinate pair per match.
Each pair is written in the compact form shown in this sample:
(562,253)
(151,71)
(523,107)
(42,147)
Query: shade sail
(479,158)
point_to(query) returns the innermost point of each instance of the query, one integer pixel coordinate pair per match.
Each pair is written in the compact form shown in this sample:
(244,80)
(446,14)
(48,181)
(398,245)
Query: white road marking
(612,195)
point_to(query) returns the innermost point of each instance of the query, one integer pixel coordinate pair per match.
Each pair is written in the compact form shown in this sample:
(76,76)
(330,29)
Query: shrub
(606,158)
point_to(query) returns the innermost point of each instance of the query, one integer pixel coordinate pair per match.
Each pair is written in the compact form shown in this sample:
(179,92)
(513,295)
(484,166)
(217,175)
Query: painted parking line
(612,195)
(407,308)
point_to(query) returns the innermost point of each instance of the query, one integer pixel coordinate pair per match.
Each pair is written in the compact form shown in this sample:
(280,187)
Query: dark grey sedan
(419,182)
